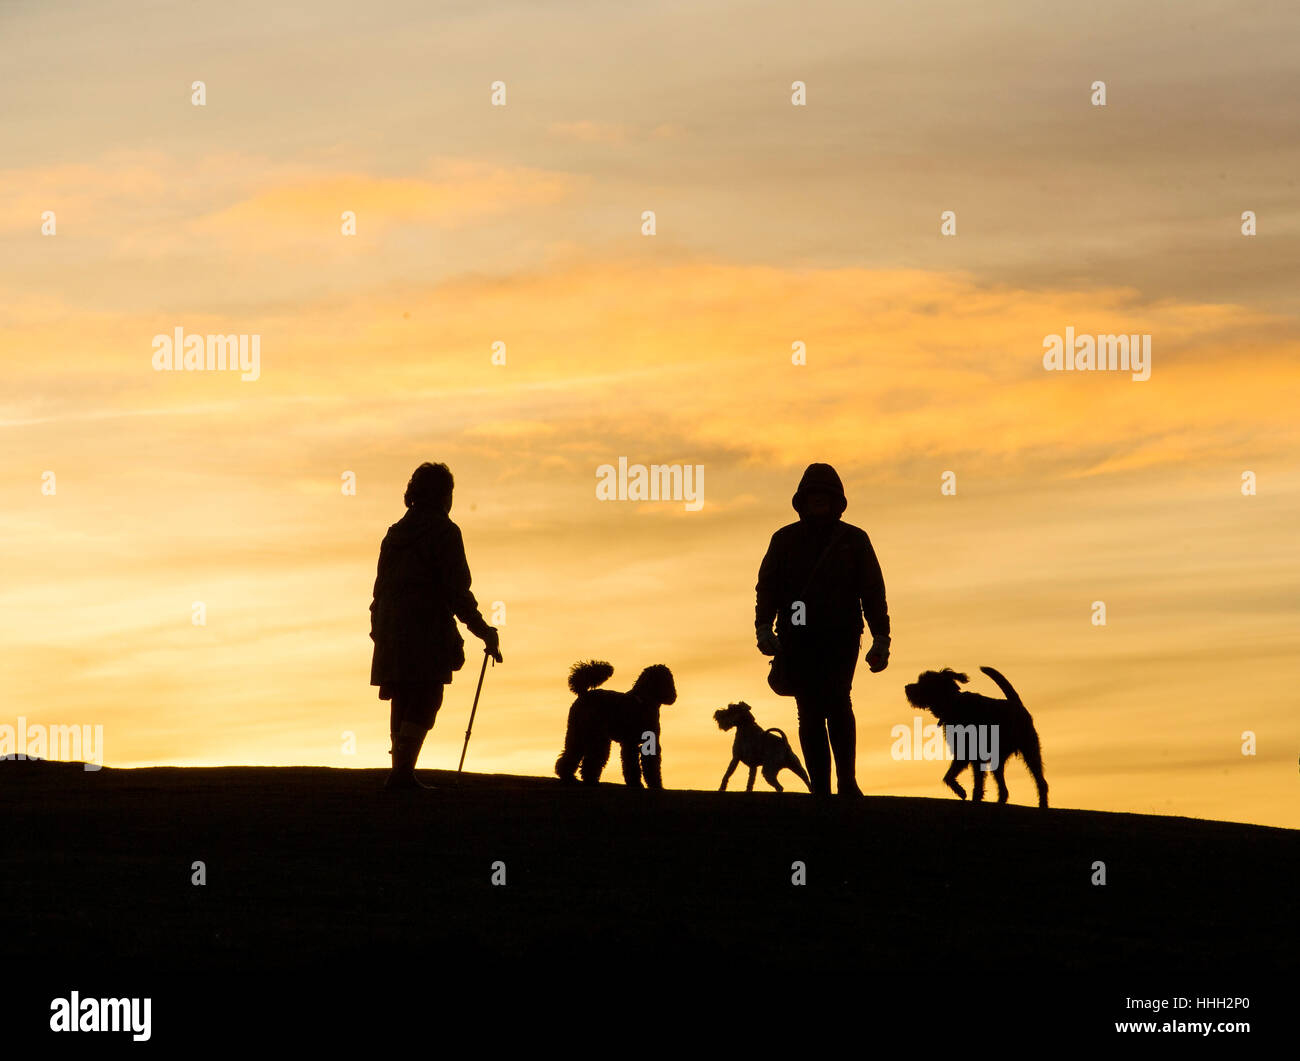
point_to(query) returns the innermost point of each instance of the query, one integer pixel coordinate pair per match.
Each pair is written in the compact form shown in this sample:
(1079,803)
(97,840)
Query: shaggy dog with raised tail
(601,717)
(970,719)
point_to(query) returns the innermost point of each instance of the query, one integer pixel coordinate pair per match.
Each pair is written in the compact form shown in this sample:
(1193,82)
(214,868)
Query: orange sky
(775,224)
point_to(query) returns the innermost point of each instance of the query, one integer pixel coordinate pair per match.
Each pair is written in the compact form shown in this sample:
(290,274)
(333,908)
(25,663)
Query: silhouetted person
(423,581)
(830,566)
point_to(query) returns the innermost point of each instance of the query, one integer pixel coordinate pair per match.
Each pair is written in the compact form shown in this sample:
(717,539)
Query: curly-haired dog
(757,748)
(599,717)
(971,720)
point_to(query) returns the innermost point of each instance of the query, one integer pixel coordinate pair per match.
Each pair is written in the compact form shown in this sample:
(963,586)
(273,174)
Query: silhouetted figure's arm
(874,608)
(767,600)
(459,596)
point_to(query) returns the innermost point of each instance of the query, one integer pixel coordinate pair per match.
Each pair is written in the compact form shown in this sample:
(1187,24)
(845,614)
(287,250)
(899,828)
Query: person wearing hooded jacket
(819,579)
(421,588)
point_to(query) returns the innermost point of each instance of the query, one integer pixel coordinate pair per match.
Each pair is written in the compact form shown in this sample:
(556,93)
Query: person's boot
(406,750)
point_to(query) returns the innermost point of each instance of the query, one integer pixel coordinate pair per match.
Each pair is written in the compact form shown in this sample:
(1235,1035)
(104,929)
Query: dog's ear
(956,676)
(960,677)
(744,707)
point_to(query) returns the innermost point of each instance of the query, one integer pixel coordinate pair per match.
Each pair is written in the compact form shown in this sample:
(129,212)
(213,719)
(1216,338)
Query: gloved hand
(492,642)
(878,654)
(767,642)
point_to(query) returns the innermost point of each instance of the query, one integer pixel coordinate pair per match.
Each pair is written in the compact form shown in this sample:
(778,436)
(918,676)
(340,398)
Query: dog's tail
(779,732)
(589,674)
(1005,686)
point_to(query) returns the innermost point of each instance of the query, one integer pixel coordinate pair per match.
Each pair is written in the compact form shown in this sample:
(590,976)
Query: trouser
(824,678)
(410,717)
(416,705)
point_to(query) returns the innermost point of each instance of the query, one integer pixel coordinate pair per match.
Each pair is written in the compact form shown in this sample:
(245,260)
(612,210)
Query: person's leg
(844,743)
(407,739)
(808,666)
(840,721)
(411,736)
(812,739)
(414,710)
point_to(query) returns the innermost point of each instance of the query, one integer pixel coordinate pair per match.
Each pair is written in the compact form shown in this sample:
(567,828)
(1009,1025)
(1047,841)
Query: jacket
(421,588)
(847,587)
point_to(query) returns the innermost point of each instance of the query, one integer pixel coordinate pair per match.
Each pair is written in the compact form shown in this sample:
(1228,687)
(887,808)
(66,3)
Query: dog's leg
(650,766)
(594,760)
(753,771)
(571,755)
(769,775)
(950,778)
(998,772)
(630,752)
(977,785)
(792,763)
(727,776)
(1034,760)
(566,765)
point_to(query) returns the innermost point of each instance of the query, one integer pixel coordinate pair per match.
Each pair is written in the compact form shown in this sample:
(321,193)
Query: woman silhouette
(818,580)
(421,589)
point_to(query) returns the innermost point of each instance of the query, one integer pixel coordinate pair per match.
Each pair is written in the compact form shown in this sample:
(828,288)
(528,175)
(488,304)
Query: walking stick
(472,710)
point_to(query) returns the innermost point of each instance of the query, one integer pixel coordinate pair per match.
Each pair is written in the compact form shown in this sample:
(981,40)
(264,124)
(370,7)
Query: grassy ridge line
(311,864)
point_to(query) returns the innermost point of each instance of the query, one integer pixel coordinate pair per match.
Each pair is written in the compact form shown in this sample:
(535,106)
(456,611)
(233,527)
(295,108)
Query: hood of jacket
(820,477)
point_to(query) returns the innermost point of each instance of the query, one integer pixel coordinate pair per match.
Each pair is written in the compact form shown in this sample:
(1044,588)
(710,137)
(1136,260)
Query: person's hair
(429,485)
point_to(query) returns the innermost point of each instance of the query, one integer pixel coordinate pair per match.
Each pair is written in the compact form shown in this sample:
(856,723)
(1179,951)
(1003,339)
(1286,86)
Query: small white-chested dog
(767,750)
